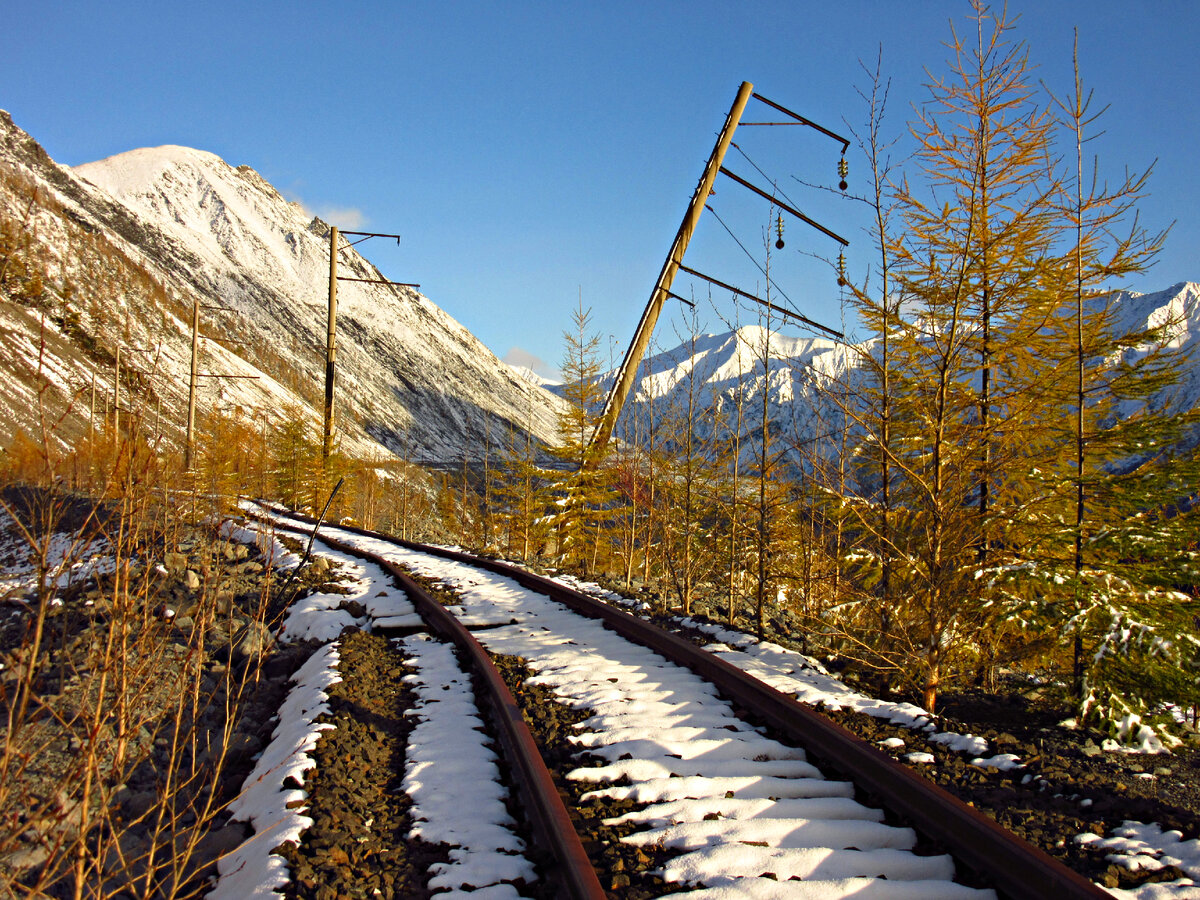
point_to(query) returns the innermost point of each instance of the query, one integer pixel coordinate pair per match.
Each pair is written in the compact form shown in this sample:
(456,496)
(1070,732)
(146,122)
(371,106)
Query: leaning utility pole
(327,434)
(662,288)
(674,262)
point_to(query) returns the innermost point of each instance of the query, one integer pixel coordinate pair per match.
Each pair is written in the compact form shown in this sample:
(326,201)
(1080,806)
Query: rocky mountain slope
(113,254)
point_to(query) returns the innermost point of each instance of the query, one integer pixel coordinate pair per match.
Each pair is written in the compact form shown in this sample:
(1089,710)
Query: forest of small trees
(1002,498)
(993,497)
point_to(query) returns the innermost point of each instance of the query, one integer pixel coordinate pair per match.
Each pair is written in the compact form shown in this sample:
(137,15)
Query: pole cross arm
(801,120)
(378,281)
(767,303)
(675,296)
(786,208)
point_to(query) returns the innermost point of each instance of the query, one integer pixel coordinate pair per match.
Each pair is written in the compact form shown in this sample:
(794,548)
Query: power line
(774,184)
(803,319)
(750,256)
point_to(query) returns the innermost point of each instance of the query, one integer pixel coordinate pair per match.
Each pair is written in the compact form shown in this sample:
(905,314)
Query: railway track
(681,732)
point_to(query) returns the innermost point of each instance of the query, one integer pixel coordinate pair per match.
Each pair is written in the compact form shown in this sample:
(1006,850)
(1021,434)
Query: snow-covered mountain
(527,374)
(128,242)
(795,376)
(807,378)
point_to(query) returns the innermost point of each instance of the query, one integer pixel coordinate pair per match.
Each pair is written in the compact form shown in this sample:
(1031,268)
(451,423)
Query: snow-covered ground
(483,848)
(67,560)
(736,803)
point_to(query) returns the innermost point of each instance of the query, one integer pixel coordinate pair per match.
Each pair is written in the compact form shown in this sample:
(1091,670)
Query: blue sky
(532,152)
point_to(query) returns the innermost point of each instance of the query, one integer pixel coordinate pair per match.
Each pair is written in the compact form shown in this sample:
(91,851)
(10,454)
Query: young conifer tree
(976,234)
(688,476)
(862,623)
(523,490)
(1114,545)
(770,507)
(585,492)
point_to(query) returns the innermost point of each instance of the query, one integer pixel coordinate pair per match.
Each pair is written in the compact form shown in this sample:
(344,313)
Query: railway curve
(993,855)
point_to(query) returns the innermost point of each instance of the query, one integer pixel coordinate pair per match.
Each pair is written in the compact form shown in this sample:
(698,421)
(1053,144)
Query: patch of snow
(275,555)
(447,750)
(274,810)
(1003,762)
(1137,847)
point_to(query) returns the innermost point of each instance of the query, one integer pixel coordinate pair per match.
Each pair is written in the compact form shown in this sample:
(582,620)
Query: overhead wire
(750,256)
(774,185)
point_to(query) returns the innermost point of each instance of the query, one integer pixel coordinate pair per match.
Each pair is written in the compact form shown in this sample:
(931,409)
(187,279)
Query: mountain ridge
(801,405)
(412,381)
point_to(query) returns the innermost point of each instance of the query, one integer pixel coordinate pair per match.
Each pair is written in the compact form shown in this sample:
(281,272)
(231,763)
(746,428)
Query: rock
(217,843)
(235,552)
(1090,748)
(136,804)
(26,857)
(224,602)
(242,746)
(175,562)
(252,639)
(192,580)
(127,856)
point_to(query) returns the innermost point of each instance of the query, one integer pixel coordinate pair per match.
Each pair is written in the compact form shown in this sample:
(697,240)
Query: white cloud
(516,356)
(342,216)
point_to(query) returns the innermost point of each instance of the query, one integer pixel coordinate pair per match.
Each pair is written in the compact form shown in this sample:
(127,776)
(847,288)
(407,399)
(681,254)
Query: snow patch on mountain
(807,381)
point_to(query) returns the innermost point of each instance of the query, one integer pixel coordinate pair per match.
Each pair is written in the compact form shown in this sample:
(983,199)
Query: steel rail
(1015,868)
(548,814)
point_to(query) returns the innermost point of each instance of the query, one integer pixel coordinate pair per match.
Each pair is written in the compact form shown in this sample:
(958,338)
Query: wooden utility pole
(327,435)
(117,393)
(331,328)
(662,288)
(191,417)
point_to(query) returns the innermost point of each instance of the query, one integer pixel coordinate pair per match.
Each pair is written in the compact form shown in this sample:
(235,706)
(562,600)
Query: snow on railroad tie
(275,810)
(453,779)
(319,616)
(457,797)
(746,813)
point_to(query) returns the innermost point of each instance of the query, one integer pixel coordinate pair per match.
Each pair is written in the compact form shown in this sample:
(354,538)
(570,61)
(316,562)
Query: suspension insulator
(843,170)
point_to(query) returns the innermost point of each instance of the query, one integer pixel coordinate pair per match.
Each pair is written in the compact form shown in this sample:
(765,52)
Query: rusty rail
(1015,868)
(547,813)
